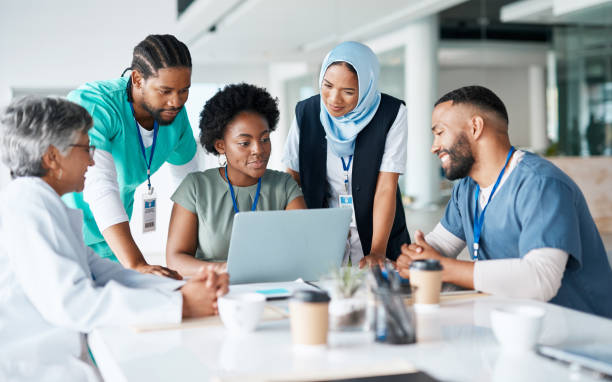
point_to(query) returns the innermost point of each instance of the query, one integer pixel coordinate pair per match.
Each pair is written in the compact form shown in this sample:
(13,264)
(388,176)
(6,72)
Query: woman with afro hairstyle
(235,124)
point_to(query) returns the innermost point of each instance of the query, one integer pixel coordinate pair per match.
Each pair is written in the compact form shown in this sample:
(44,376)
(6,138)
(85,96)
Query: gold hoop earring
(222,160)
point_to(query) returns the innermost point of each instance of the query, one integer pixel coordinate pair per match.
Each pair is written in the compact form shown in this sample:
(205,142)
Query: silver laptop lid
(272,246)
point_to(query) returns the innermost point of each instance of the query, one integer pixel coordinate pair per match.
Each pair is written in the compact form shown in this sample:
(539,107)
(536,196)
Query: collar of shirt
(486,191)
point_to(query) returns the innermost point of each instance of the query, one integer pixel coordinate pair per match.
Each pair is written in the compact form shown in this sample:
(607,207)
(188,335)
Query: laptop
(273,246)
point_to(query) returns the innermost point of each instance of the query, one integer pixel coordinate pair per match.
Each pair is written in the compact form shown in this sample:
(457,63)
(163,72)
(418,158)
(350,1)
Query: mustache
(171,110)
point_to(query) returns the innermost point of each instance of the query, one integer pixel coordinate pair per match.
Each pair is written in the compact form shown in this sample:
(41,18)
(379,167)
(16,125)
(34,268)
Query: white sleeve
(57,280)
(105,270)
(396,149)
(291,158)
(445,242)
(101,191)
(178,173)
(536,276)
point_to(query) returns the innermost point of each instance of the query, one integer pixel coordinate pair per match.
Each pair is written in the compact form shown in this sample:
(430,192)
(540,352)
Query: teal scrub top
(115,131)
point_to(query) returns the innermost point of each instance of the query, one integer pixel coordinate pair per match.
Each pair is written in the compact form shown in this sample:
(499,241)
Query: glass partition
(584,80)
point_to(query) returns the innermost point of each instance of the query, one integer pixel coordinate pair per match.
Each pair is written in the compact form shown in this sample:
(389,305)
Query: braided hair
(158,52)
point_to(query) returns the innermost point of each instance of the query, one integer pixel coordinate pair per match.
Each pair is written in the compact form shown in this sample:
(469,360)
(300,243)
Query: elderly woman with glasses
(54,287)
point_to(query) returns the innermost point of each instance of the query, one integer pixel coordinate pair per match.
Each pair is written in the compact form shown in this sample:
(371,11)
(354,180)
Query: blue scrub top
(115,131)
(539,206)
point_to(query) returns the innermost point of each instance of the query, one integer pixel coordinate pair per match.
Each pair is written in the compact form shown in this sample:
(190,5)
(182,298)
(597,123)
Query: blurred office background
(549,60)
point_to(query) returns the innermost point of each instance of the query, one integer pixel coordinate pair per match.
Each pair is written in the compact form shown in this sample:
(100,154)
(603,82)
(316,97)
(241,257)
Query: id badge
(148,212)
(346,201)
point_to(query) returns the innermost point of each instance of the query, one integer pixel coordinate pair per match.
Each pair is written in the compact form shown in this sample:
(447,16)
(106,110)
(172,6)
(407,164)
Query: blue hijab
(341,132)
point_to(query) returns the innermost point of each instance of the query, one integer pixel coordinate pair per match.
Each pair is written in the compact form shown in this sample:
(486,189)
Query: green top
(207,195)
(114,131)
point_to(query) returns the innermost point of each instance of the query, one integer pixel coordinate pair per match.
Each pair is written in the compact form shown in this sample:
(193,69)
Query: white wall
(510,84)
(256,74)
(64,43)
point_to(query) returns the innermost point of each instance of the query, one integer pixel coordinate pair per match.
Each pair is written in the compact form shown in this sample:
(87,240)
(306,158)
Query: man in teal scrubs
(139,123)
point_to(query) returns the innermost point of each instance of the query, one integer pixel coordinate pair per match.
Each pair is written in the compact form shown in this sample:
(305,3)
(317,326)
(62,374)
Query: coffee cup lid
(426,265)
(310,296)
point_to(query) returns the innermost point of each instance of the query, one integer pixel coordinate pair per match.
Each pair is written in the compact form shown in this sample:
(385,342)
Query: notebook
(274,291)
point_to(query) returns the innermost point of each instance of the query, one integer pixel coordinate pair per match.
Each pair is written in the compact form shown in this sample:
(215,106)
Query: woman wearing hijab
(347,148)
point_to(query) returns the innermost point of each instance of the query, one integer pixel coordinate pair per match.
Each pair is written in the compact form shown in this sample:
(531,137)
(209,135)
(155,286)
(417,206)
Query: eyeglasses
(90,148)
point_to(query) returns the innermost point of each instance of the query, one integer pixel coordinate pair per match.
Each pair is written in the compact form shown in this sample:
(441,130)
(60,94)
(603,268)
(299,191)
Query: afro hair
(220,110)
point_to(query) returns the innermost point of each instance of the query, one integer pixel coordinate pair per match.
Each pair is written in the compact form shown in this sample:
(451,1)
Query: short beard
(156,114)
(460,159)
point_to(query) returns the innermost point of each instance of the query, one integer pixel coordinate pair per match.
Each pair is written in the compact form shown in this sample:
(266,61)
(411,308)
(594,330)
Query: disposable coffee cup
(425,284)
(309,317)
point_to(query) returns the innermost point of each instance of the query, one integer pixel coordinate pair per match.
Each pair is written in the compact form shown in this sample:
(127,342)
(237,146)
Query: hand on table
(372,259)
(158,270)
(220,267)
(200,292)
(418,250)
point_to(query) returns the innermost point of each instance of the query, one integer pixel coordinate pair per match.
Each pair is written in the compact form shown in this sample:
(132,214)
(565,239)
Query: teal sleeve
(104,130)
(292,189)
(185,149)
(186,194)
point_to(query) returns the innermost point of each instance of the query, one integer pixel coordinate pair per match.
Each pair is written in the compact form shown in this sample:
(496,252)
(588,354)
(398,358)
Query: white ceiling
(257,31)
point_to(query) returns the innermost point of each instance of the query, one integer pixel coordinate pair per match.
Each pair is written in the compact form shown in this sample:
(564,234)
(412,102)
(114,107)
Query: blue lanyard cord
(479,220)
(142,148)
(346,168)
(231,188)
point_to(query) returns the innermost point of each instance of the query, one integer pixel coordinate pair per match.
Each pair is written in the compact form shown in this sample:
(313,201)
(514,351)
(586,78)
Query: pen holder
(394,322)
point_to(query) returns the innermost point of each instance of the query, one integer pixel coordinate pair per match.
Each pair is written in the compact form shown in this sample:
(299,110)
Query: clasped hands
(419,250)
(200,293)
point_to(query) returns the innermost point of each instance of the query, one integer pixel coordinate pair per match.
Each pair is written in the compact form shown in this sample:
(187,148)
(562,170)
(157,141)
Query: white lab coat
(54,289)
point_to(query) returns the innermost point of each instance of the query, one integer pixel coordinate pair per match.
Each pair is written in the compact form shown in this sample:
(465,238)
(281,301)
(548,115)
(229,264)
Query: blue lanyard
(346,168)
(229,184)
(479,220)
(142,148)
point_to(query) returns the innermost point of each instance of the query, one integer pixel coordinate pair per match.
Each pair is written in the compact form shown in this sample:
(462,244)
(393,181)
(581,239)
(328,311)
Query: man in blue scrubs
(526,224)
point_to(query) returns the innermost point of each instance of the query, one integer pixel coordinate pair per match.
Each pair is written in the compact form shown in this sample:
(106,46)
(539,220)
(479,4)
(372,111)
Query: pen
(313,285)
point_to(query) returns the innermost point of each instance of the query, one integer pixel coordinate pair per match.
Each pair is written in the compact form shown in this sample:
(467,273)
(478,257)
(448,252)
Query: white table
(455,343)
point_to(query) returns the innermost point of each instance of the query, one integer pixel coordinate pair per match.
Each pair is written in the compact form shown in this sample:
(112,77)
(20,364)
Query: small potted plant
(348,305)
